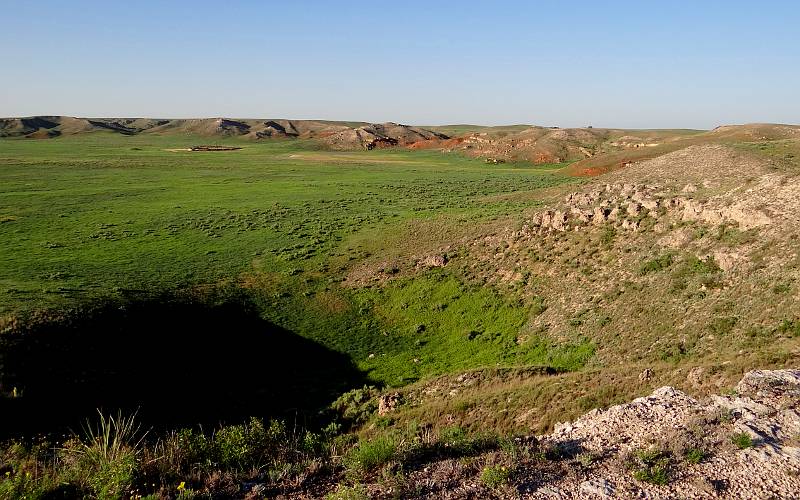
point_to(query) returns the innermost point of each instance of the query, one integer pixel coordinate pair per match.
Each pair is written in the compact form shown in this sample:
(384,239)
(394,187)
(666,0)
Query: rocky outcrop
(626,204)
(745,445)
(376,136)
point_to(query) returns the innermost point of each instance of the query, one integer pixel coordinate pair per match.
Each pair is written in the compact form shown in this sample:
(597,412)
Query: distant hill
(592,150)
(597,150)
(338,135)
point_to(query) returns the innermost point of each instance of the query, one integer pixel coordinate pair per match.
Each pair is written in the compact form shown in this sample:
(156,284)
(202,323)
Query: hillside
(591,150)
(596,150)
(666,444)
(684,266)
(336,135)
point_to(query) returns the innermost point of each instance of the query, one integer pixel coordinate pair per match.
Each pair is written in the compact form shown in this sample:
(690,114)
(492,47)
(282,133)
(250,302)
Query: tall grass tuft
(106,458)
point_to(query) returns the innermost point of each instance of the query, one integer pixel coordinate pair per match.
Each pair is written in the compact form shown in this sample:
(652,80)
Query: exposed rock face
(379,136)
(766,409)
(759,203)
(536,144)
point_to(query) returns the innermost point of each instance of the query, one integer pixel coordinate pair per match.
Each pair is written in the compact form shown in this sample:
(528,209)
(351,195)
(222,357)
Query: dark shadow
(114,126)
(176,363)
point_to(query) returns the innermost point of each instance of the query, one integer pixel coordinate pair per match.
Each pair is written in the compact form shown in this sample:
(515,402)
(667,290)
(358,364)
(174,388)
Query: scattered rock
(695,376)
(389,402)
(766,409)
(598,488)
(434,261)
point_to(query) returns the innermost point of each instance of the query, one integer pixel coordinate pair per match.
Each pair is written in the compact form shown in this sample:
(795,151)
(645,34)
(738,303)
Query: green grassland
(102,216)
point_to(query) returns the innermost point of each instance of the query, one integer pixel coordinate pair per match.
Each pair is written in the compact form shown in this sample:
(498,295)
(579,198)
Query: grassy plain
(107,216)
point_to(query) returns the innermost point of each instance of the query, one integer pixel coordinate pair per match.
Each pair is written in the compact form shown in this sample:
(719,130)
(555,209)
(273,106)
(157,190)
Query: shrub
(242,446)
(357,405)
(458,442)
(22,484)
(369,455)
(655,265)
(742,440)
(781,288)
(587,458)
(703,266)
(495,476)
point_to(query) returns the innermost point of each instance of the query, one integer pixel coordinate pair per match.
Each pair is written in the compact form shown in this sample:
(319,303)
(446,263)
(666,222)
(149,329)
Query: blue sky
(623,64)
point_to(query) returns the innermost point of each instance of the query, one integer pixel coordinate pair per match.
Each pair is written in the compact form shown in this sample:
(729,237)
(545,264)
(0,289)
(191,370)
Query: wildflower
(182,486)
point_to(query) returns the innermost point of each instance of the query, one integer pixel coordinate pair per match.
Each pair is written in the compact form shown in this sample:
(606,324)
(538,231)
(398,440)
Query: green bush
(723,325)
(742,440)
(703,266)
(240,446)
(655,265)
(22,484)
(369,455)
(358,405)
(495,476)
(538,306)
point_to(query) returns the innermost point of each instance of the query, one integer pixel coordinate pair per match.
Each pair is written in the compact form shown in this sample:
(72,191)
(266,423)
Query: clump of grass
(654,265)
(723,325)
(357,492)
(537,306)
(608,235)
(694,455)
(651,466)
(781,288)
(742,440)
(703,266)
(367,456)
(587,458)
(19,479)
(106,460)
(789,327)
(459,442)
(495,476)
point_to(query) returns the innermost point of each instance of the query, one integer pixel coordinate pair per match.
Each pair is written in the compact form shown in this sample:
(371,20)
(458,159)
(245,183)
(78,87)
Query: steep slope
(677,255)
(44,126)
(681,270)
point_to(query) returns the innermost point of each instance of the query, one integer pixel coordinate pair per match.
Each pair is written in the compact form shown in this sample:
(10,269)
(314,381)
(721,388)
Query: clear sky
(618,63)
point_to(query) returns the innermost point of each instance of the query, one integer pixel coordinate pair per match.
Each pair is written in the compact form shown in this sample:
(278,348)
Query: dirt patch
(336,157)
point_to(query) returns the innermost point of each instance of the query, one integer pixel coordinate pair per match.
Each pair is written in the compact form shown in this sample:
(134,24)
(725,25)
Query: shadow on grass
(175,363)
